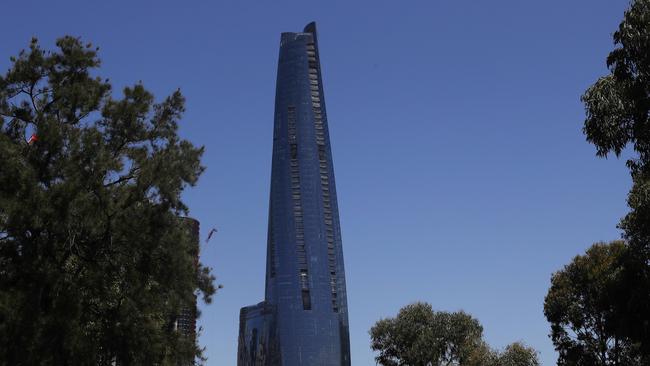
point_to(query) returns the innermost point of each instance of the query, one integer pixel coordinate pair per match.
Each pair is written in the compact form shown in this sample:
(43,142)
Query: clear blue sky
(463,177)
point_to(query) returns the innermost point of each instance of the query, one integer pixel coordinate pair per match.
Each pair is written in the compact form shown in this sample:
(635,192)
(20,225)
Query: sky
(463,176)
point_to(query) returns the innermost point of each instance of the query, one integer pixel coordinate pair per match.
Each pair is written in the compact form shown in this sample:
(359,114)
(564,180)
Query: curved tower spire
(303,320)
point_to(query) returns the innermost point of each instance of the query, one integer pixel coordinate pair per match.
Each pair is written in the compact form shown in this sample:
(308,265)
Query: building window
(294,151)
(294,170)
(306,300)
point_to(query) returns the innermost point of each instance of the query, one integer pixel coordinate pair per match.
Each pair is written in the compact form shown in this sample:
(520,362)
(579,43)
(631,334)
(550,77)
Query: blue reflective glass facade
(303,320)
(254,331)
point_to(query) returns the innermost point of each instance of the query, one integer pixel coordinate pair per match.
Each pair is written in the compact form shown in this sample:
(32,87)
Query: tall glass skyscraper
(304,318)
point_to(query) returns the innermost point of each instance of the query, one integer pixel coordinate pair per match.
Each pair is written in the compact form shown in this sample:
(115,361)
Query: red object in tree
(32,139)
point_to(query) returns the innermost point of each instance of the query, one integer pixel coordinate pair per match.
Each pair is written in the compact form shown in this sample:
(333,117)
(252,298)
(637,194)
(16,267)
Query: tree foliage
(618,117)
(93,261)
(517,354)
(581,307)
(419,336)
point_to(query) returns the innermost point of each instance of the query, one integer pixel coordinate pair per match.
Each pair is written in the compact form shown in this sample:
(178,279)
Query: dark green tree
(419,336)
(516,354)
(94,262)
(618,117)
(580,305)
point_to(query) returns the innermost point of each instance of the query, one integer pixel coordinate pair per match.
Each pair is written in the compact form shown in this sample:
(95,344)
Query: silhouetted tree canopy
(617,108)
(93,261)
(581,307)
(419,336)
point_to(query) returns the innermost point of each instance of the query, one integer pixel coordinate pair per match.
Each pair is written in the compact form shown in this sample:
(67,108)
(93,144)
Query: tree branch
(124,178)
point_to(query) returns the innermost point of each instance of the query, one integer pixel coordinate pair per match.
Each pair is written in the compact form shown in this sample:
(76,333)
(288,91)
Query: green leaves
(421,336)
(609,118)
(581,306)
(618,104)
(517,354)
(618,117)
(94,260)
